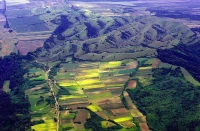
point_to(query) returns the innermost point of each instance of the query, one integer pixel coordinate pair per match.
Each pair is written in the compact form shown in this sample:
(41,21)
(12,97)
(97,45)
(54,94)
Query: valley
(85,65)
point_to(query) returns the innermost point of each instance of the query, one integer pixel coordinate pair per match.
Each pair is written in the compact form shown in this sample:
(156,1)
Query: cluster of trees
(14,107)
(92,32)
(170,102)
(94,123)
(54,70)
(174,14)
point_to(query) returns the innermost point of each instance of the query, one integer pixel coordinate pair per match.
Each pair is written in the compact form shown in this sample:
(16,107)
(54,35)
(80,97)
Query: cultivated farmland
(98,88)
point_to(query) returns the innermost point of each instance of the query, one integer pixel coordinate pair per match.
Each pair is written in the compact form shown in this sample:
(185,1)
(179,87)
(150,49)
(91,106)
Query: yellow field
(68,84)
(94,86)
(88,81)
(88,75)
(146,68)
(118,120)
(49,125)
(65,97)
(112,64)
(94,108)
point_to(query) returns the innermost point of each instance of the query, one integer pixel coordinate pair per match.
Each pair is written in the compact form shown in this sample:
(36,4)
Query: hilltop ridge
(88,36)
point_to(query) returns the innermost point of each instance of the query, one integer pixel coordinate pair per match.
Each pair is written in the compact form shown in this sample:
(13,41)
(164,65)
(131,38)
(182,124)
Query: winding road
(49,81)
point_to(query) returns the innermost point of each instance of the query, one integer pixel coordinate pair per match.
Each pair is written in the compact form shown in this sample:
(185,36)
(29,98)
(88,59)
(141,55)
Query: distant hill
(102,0)
(87,36)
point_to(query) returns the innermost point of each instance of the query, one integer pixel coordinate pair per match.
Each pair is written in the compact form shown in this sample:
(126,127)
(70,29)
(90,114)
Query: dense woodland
(170,102)
(14,109)
(94,123)
(14,106)
(185,56)
(174,14)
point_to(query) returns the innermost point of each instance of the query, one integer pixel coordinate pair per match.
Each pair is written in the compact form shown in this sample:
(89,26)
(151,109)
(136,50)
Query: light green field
(106,74)
(88,75)
(83,83)
(67,83)
(35,70)
(70,66)
(36,74)
(189,77)
(126,71)
(150,61)
(99,96)
(142,60)
(73,87)
(112,64)
(97,85)
(86,65)
(42,77)
(107,124)
(52,64)
(34,106)
(114,85)
(37,97)
(89,71)
(144,80)
(6,86)
(65,75)
(67,115)
(164,65)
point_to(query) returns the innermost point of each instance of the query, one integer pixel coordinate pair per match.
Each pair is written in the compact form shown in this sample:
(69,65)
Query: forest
(15,107)
(184,56)
(170,102)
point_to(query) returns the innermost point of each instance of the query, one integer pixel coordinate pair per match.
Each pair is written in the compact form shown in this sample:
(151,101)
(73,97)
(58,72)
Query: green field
(90,83)
(36,74)
(6,86)
(189,77)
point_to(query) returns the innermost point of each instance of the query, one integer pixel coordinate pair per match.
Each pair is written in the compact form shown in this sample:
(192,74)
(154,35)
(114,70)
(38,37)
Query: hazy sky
(13,2)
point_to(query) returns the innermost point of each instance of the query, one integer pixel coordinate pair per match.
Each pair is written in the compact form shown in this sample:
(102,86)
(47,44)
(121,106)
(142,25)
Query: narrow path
(55,98)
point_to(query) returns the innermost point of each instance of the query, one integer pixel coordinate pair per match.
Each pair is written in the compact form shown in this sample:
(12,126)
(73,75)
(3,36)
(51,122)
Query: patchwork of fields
(95,86)
(97,65)
(42,103)
(83,88)
(83,95)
